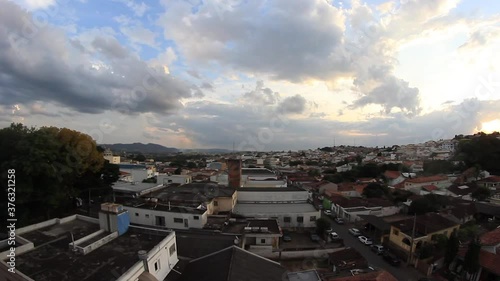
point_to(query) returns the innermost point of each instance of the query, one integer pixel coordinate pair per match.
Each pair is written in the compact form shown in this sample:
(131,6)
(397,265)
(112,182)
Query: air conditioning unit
(248,229)
(264,229)
(255,229)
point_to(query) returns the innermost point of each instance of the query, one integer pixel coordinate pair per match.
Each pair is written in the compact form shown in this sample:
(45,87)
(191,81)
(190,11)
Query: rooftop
(257,172)
(135,187)
(491,238)
(231,264)
(308,275)
(272,189)
(256,208)
(372,276)
(52,258)
(428,179)
(425,224)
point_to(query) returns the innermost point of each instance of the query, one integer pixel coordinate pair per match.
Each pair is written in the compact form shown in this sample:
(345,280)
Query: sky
(253,75)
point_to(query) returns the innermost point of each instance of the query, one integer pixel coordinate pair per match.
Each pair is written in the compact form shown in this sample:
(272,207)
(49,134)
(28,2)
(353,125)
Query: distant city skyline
(269,75)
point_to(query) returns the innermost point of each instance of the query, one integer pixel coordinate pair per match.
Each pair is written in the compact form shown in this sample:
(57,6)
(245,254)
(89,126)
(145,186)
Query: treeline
(481,151)
(53,166)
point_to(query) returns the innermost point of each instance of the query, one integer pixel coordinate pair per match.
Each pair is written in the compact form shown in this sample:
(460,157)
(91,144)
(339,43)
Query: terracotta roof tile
(491,238)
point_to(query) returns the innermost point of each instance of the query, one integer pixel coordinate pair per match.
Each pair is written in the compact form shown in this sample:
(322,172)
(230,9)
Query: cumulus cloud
(92,73)
(261,95)
(292,105)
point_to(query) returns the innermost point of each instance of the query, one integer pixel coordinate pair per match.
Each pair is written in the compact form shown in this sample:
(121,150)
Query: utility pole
(412,238)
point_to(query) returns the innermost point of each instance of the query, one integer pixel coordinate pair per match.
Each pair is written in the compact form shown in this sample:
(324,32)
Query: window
(287,219)
(147,216)
(196,217)
(178,220)
(160,221)
(395,232)
(136,214)
(172,249)
(312,218)
(263,241)
(157,266)
(216,203)
(300,219)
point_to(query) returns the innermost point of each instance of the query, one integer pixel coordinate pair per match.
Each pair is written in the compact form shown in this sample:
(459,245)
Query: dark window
(136,214)
(147,216)
(300,219)
(160,221)
(312,218)
(287,219)
(216,203)
(196,217)
(178,220)
(263,241)
(172,249)
(395,232)
(157,266)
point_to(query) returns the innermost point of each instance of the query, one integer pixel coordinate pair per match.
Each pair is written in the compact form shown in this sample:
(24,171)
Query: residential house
(393,177)
(489,258)
(491,182)
(321,187)
(261,235)
(232,264)
(350,208)
(414,184)
(422,228)
(462,191)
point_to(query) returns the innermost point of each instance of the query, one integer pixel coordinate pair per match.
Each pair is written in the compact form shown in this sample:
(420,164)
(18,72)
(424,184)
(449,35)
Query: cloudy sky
(264,75)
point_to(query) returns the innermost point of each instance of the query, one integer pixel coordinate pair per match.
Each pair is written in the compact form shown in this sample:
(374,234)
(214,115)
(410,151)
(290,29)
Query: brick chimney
(234,173)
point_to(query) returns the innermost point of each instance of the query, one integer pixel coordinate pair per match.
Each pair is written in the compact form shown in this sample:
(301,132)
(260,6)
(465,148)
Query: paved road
(402,273)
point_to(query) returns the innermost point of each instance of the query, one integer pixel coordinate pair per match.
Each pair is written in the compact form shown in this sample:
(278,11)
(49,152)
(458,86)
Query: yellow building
(423,228)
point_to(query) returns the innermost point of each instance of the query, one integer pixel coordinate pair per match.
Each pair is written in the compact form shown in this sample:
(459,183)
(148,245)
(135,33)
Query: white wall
(180,179)
(293,218)
(272,196)
(143,219)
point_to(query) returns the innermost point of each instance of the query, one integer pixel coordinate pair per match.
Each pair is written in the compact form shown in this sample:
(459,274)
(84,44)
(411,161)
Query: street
(402,273)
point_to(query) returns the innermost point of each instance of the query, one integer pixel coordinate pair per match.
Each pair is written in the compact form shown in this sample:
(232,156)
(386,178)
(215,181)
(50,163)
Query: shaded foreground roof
(233,264)
(372,276)
(425,224)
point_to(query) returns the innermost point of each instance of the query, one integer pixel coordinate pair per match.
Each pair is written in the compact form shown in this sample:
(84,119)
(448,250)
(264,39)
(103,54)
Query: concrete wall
(272,196)
(224,204)
(148,217)
(307,216)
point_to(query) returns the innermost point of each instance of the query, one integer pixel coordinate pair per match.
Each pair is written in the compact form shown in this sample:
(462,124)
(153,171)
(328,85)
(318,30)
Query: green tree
(451,248)
(178,171)
(191,165)
(140,158)
(374,190)
(314,173)
(471,259)
(322,225)
(481,194)
(52,165)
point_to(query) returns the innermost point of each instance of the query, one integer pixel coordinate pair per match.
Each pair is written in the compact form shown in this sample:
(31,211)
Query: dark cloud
(39,63)
(292,105)
(207,86)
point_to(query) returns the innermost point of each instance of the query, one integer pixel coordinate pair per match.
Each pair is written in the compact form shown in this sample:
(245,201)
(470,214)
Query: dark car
(378,249)
(339,220)
(391,259)
(287,237)
(315,237)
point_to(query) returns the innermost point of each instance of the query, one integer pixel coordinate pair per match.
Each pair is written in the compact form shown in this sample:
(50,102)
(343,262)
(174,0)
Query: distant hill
(208,150)
(140,147)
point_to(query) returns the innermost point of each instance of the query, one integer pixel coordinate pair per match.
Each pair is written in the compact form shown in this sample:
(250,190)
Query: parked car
(334,235)
(287,237)
(365,240)
(354,231)
(315,237)
(339,220)
(328,212)
(378,249)
(391,259)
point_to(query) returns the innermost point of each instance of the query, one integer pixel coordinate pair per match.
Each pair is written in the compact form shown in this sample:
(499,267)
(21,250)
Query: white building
(113,159)
(287,205)
(116,252)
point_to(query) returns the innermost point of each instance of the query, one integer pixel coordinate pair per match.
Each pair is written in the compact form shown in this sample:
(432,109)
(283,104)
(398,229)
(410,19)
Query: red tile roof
(392,174)
(487,260)
(428,179)
(491,238)
(490,179)
(430,187)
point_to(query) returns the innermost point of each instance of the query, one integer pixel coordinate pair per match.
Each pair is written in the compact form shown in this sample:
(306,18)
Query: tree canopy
(482,150)
(52,165)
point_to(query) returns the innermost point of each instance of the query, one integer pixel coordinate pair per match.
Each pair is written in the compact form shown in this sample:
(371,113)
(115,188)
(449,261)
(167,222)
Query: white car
(354,231)
(334,235)
(365,240)
(328,212)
